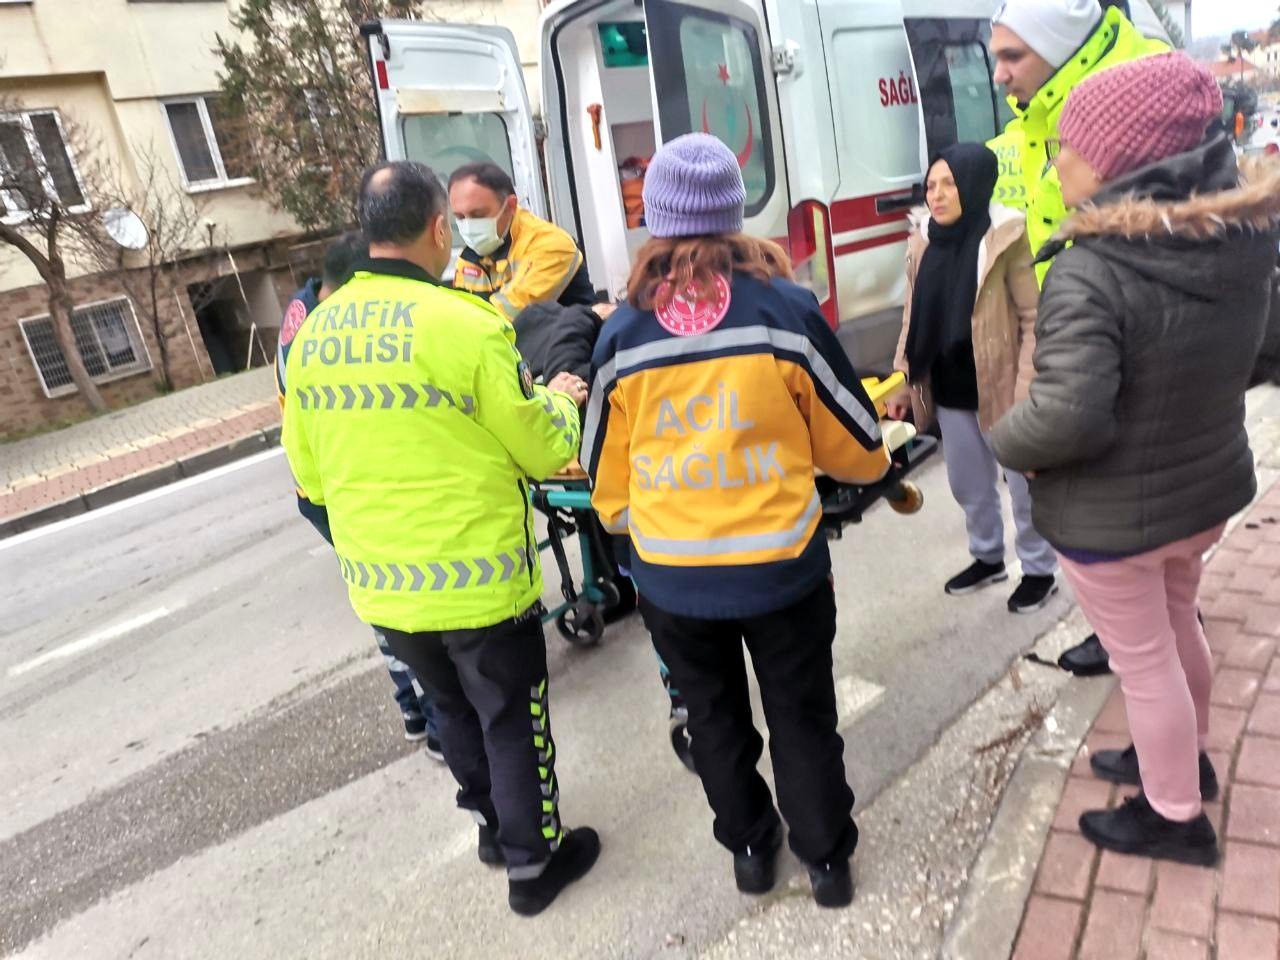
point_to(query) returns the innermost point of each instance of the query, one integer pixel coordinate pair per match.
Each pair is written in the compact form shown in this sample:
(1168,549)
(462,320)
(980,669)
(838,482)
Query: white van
(831,105)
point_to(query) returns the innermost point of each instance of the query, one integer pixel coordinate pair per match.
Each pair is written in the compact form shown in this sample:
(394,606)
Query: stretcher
(601,593)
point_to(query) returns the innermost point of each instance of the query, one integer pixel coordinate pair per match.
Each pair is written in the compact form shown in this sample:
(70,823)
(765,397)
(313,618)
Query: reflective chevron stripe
(383,396)
(433,577)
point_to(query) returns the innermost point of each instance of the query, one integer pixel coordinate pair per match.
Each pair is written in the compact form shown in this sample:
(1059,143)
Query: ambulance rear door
(449,95)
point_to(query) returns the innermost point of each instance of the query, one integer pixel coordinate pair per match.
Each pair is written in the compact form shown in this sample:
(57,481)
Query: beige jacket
(1004,317)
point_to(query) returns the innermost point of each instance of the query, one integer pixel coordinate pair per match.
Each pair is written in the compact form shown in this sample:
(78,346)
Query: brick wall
(23,404)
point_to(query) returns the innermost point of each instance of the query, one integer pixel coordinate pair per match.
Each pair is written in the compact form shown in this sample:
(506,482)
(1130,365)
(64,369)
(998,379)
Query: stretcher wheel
(582,626)
(681,742)
(907,499)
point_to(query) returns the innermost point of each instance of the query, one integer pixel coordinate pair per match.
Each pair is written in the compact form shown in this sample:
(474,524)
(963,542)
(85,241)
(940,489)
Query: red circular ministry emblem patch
(686,316)
(293,318)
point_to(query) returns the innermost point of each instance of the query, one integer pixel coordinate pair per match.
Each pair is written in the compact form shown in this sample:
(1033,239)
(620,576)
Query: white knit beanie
(1055,29)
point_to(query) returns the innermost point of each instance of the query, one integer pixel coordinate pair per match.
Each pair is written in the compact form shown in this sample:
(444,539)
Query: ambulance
(832,107)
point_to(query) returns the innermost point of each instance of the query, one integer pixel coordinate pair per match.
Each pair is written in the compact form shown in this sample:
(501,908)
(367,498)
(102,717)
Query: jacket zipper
(528,546)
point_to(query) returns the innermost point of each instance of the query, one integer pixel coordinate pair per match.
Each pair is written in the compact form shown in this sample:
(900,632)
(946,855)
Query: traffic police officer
(411,417)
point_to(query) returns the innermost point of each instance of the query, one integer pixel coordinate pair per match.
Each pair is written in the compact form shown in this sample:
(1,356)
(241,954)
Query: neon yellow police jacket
(411,417)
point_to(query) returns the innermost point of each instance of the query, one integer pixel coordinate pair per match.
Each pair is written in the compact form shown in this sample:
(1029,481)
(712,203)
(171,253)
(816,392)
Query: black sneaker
(755,869)
(1121,766)
(1135,828)
(415,729)
(1088,658)
(1033,593)
(575,857)
(832,884)
(487,848)
(976,576)
(434,749)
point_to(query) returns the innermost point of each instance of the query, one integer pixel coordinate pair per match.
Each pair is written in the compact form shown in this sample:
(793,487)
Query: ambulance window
(624,44)
(715,86)
(447,141)
(959,97)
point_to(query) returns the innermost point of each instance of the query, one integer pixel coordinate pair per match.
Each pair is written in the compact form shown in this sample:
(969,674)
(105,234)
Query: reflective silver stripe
(434,576)
(724,546)
(382,396)
(619,526)
(591,424)
(559,288)
(508,308)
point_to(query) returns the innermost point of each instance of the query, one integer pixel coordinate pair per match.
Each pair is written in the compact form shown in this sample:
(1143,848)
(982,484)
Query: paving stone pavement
(50,468)
(1087,904)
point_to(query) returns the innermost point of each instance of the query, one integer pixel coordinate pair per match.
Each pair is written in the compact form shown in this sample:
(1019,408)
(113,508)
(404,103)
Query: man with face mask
(1043,50)
(510,257)
(421,455)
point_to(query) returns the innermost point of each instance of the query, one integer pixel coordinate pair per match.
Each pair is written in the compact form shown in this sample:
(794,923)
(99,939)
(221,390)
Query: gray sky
(1211,17)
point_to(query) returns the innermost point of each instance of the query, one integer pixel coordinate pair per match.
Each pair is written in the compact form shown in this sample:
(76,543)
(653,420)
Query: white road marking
(141,498)
(92,640)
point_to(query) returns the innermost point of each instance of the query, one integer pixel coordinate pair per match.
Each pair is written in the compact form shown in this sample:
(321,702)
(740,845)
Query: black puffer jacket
(556,339)
(1148,334)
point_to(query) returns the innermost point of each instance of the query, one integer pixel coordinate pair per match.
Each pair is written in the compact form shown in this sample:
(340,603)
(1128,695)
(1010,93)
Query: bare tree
(298,90)
(173,225)
(1171,26)
(47,169)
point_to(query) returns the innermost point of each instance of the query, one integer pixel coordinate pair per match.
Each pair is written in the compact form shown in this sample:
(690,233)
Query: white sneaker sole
(980,585)
(415,737)
(1023,611)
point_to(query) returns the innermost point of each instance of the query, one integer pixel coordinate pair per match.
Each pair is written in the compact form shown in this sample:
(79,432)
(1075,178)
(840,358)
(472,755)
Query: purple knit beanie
(693,187)
(1140,112)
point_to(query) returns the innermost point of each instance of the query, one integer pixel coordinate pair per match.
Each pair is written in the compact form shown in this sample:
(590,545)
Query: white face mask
(480,234)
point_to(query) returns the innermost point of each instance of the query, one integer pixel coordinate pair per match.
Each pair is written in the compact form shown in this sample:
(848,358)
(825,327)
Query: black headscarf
(946,287)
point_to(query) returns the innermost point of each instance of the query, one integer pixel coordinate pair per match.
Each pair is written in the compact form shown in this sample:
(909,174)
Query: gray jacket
(1148,334)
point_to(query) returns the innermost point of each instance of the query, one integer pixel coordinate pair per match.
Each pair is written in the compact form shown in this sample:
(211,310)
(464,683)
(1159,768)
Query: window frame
(935,35)
(223,182)
(133,330)
(14,212)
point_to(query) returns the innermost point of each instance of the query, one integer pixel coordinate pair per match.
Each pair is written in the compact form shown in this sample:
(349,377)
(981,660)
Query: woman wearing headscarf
(1149,332)
(966,345)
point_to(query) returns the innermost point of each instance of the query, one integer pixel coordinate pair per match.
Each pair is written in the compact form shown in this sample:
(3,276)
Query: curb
(152,479)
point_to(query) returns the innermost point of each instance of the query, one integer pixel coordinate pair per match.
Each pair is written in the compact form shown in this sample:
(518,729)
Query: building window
(107,337)
(35,161)
(207,138)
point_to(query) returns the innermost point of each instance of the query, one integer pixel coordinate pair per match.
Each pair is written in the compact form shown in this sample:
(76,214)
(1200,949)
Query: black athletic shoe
(487,848)
(832,884)
(1121,766)
(1086,659)
(976,576)
(576,856)
(433,748)
(415,729)
(1033,594)
(1135,828)
(754,869)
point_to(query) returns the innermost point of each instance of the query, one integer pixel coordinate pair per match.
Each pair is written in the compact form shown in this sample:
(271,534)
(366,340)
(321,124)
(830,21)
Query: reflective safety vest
(1011,188)
(411,417)
(1115,41)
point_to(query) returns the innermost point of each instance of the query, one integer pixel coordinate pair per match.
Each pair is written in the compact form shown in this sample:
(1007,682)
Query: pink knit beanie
(1140,112)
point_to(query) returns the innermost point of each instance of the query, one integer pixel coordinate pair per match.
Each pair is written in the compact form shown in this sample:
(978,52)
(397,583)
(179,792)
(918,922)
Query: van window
(624,44)
(959,98)
(447,141)
(714,85)
(878,102)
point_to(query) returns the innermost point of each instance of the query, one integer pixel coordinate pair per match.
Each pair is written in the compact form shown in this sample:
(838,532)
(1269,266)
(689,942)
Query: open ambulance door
(712,64)
(449,95)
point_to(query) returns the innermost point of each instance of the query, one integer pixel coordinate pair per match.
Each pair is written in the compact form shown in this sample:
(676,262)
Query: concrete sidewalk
(65,472)
(1090,905)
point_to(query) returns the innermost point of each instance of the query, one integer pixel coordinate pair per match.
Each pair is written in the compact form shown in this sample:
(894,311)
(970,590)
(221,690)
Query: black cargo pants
(489,688)
(791,654)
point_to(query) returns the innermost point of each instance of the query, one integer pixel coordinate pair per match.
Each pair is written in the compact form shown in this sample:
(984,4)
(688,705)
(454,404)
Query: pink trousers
(1144,609)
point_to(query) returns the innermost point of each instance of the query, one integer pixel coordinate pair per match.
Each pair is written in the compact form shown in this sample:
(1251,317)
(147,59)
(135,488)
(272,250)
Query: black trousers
(489,687)
(791,654)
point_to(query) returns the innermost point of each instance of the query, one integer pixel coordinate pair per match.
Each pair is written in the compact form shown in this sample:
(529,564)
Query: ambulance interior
(604,84)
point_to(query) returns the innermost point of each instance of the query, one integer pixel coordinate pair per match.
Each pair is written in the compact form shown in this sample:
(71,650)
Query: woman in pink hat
(1134,436)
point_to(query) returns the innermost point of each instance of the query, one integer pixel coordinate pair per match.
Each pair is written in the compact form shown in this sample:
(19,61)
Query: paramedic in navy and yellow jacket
(710,411)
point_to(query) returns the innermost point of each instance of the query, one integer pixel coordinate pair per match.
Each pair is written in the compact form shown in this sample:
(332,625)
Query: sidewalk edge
(987,921)
(152,479)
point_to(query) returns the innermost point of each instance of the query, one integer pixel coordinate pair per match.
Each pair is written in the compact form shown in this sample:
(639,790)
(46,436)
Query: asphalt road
(201,756)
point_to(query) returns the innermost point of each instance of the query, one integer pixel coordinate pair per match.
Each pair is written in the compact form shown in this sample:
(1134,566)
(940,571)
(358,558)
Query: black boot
(832,884)
(1087,658)
(755,868)
(487,848)
(1121,766)
(576,856)
(1136,828)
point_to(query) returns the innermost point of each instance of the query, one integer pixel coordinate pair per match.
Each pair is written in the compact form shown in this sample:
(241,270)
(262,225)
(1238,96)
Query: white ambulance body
(831,105)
